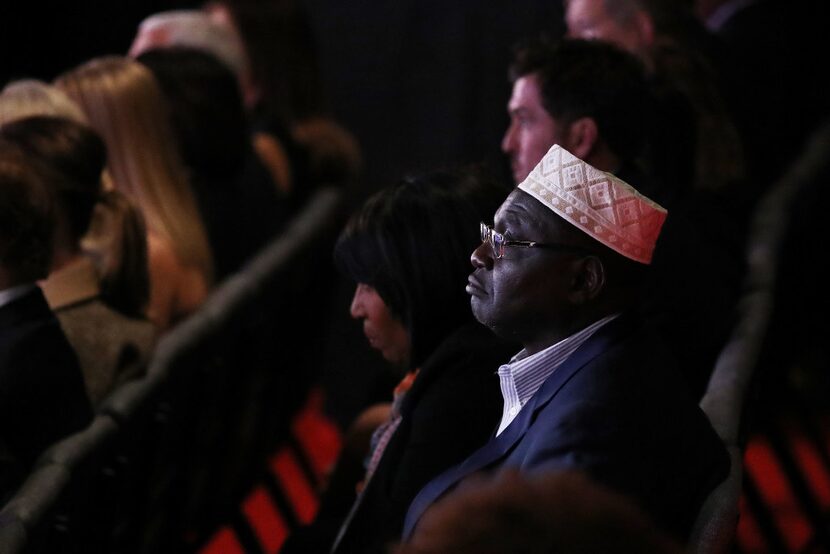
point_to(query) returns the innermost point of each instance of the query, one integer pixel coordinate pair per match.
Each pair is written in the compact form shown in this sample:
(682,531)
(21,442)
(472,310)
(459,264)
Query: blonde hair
(28,97)
(123,102)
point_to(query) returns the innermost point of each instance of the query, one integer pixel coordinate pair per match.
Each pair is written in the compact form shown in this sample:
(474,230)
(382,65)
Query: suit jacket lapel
(598,343)
(500,446)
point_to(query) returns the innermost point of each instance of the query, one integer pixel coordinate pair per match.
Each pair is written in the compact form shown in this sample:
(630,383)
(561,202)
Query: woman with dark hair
(408,249)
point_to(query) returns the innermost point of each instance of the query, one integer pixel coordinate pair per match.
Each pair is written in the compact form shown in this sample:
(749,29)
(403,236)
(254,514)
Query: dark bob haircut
(412,243)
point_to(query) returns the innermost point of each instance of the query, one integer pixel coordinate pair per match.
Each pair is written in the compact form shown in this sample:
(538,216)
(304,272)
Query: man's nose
(507,142)
(482,256)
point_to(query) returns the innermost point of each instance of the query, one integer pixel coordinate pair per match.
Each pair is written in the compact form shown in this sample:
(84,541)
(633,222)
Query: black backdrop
(420,83)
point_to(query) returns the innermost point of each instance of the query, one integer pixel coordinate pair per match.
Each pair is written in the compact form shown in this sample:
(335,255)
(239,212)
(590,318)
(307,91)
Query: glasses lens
(497,240)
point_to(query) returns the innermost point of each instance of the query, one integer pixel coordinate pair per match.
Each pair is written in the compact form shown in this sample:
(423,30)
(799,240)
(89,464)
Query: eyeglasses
(498,243)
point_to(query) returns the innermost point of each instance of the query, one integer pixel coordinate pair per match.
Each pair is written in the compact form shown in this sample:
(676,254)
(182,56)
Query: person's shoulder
(472,346)
(460,378)
(466,360)
(26,316)
(95,316)
(631,362)
(36,347)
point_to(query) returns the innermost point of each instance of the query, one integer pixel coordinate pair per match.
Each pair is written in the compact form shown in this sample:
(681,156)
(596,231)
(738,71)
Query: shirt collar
(8,296)
(73,283)
(529,372)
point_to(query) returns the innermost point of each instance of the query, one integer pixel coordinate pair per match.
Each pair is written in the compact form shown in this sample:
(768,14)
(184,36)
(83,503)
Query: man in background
(42,395)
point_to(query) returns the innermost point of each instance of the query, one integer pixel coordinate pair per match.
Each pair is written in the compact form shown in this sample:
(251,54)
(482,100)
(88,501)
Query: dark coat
(42,396)
(452,408)
(617,409)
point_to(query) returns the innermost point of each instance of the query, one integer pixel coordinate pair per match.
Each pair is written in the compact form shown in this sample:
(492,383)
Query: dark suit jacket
(451,409)
(616,409)
(42,396)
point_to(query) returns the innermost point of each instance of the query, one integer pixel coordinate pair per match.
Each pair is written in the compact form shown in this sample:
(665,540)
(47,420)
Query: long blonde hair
(123,102)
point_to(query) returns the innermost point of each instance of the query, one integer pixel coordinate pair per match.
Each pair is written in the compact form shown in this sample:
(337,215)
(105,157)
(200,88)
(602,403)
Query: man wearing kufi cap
(593,99)
(592,389)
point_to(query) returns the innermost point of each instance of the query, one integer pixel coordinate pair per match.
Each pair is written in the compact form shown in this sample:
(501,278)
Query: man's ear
(589,279)
(582,137)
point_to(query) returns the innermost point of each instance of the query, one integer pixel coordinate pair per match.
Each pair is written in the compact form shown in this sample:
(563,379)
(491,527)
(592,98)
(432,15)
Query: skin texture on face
(532,130)
(528,294)
(589,19)
(383,330)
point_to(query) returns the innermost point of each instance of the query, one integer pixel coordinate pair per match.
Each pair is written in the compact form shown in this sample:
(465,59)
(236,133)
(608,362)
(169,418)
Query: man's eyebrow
(511,217)
(517,212)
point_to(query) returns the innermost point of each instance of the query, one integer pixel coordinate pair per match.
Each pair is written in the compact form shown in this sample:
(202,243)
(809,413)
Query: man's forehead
(525,91)
(584,17)
(521,209)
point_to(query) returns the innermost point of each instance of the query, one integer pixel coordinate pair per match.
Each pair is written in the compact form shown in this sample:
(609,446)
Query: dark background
(420,83)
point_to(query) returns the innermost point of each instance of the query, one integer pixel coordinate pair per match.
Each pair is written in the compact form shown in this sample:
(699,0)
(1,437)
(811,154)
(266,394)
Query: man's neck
(602,158)
(545,340)
(62,258)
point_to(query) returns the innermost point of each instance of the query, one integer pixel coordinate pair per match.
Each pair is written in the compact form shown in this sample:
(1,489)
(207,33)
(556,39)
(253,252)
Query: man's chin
(480,311)
(519,176)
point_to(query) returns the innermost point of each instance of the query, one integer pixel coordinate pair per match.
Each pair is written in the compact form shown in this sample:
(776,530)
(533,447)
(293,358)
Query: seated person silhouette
(406,248)
(42,396)
(592,389)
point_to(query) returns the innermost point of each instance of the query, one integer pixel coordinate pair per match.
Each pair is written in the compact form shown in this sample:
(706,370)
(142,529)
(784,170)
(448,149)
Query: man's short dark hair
(579,78)
(75,155)
(206,109)
(26,217)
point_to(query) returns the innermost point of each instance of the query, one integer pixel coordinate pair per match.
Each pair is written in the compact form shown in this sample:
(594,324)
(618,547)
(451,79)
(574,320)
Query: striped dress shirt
(523,375)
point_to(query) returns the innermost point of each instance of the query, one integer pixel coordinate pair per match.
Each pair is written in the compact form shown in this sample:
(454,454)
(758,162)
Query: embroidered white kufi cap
(598,203)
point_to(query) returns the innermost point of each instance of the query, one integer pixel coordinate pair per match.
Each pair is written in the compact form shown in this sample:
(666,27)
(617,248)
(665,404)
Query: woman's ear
(589,279)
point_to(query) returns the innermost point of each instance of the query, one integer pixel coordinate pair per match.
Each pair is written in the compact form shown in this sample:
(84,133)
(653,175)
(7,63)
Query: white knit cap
(600,204)
(192,29)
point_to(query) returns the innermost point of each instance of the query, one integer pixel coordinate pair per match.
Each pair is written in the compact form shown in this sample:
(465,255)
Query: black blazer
(618,409)
(42,395)
(452,408)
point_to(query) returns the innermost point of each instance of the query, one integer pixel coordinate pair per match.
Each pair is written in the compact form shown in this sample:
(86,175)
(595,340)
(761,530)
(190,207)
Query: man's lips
(370,337)
(474,287)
